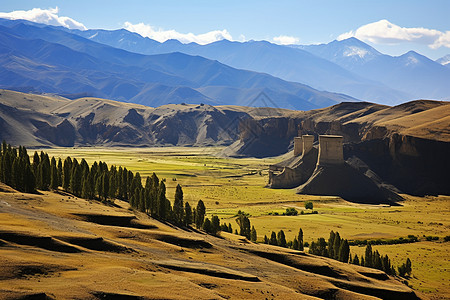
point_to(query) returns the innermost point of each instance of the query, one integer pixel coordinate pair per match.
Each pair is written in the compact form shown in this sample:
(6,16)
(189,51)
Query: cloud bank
(50,17)
(44,16)
(286,40)
(161,35)
(385,32)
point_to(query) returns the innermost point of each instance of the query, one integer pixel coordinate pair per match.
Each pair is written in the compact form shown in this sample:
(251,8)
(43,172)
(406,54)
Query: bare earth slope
(57,246)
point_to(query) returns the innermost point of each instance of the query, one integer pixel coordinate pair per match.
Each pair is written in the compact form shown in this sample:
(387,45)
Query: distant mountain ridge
(349,66)
(288,63)
(56,61)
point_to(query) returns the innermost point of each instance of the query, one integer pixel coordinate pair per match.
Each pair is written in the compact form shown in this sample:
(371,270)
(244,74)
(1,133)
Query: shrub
(291,211)
(309,205)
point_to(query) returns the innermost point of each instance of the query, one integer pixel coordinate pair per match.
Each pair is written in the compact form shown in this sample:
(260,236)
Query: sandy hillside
(56,246)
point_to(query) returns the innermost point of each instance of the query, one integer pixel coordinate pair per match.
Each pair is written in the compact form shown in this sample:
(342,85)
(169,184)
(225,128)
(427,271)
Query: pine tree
(253,235)
(215,225)
(331,244)
(295,244)
(344,251)
(368,256)
(281,239)
(178,207)
(355,260)
(162,203)
(67,172)
(75,179)
(266,239)
(336,244)
(408,266)
(207,226)
(187,214)
(105,183)
(36,162)
(273,239)
(44,172)
(300,240)
(53,174)
(200,214)
(244,224)
(60,172)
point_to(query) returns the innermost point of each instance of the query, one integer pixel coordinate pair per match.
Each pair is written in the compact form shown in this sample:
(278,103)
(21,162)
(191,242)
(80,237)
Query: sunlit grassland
(227,185)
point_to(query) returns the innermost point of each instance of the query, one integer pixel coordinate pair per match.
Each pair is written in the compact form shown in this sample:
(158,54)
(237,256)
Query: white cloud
(44,16)
(286,40)
(161,35)
(385,32)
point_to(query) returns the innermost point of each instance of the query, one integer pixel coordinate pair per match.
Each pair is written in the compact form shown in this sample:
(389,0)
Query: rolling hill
(56,246)
(406,145)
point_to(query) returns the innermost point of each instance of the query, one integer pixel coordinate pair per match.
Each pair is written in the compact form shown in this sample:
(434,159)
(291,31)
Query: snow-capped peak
(355,51)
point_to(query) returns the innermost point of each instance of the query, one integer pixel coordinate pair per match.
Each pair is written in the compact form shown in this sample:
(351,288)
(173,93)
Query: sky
(391,26)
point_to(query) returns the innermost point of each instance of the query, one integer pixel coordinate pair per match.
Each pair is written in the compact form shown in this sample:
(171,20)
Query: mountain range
(125,66)
(349,66)
(48,59)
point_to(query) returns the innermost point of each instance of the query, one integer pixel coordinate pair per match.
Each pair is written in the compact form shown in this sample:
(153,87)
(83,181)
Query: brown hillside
(60,247)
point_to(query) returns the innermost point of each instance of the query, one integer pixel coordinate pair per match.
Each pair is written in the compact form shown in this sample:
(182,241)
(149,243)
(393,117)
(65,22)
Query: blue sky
(422,26)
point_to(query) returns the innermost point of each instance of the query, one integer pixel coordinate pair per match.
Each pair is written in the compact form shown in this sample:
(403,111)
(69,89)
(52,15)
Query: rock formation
(324,172)
(297,169)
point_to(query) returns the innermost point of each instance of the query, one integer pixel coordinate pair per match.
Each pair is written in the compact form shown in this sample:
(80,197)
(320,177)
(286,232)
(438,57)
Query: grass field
(228,185)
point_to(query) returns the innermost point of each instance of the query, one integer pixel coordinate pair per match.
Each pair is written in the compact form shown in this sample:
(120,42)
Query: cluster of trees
(280,240)
(410,239)
(245,228)
(15,168)
(373,259)
(336,247)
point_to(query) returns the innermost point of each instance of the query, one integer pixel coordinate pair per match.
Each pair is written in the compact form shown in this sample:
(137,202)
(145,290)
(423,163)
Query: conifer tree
(67,172)
(281,239)
(36,162)
(355,260)
(368,256)
(215,225)
(295,245)
(105,185)
(178,206)
(253,235)
(53,174)
(187,214)
(162,201)
(344,251)
(331,244)
(44,172)
(200,214)
(300,240)
(154,194)
(336,245)
(60,172)
(207,226)
(273,239)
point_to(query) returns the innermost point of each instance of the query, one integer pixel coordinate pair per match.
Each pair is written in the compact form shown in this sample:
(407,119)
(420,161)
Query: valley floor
(226,186)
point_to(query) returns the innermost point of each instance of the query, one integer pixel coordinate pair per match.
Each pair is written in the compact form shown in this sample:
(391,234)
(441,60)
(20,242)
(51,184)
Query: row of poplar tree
(96,182)
(338,248)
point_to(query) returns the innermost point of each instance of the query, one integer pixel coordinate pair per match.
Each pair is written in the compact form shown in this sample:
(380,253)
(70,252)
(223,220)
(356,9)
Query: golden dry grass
(229,185)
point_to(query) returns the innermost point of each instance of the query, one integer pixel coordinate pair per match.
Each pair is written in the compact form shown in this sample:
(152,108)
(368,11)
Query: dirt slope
(57,246)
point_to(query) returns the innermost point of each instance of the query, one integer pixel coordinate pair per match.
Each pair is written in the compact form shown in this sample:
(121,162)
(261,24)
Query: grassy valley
(228,185)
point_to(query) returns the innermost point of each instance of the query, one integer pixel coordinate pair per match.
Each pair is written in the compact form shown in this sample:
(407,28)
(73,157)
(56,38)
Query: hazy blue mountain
(288,63)
(410,73)
(53,60)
